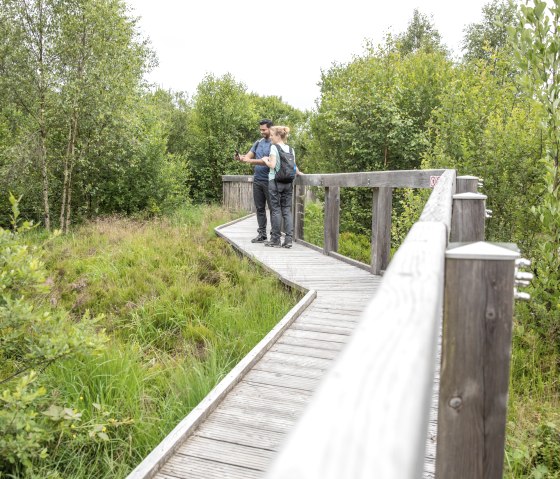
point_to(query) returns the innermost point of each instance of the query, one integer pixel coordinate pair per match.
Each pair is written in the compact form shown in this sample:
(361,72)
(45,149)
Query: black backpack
(287,171)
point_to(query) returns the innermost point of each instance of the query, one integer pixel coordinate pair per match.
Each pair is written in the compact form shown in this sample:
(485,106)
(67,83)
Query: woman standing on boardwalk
(280,193)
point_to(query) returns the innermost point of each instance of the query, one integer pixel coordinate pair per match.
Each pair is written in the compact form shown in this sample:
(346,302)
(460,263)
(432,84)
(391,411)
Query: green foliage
(533,439)
(407,211)
(483,128)
(420,34)
(484,40)
(373,115)
(32,337)
(313,230)
(537,49)
(355,246)
(223,120)
(537,457)
(77,132)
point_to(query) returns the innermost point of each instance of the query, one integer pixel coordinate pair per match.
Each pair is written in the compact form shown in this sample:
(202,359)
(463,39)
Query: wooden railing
(238,196)
(369,417)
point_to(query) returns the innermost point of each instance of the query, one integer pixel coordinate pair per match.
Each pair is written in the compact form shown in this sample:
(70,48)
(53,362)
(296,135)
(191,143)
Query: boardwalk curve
(238,428)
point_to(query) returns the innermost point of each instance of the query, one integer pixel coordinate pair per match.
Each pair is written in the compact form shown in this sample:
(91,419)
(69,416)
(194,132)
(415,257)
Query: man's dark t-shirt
(261,148)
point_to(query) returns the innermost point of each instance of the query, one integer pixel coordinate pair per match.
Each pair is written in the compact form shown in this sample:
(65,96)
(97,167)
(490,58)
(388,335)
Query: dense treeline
(81,136)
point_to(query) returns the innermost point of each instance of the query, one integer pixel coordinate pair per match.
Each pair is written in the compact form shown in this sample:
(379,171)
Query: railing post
(381,229)
(468,217)
(466,184)
(478,311)
(299,210)
(332,219)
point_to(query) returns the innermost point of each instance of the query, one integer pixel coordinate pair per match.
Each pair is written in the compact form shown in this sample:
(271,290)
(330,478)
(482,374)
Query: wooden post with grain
(469,217)
(466,184)
(299,210)
(478,311)
(381,229)
(332,219)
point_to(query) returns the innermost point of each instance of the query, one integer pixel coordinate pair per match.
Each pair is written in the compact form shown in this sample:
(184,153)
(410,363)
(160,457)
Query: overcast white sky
(279,48)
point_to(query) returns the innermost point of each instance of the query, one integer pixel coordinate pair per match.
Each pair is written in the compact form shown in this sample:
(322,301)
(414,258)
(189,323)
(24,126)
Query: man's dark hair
(266,122)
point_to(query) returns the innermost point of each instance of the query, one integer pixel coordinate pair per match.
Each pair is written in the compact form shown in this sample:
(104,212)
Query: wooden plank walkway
(241,436)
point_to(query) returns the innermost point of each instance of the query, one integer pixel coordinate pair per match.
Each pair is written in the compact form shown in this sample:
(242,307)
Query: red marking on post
(434,180)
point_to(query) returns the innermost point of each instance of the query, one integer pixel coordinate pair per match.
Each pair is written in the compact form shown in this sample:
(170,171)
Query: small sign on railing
(434,180)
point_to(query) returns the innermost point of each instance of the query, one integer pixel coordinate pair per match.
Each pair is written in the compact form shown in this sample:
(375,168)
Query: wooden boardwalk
(240,436)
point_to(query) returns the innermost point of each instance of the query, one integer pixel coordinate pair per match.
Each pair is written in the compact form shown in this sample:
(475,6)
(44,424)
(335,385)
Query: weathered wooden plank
(165,476)
(262,420)
(322,328)
(307,362)
(320,305)
(381,229)
(225,452)
(244,434)
(196,468)
(310,343)
(325,337)
(283,380)
(271,392)
(283,405)
(364,403)
(237,178)
(343,321)
(332,314)
(373,179)
(304,351)
(312,246)
(353,262)
(289,369)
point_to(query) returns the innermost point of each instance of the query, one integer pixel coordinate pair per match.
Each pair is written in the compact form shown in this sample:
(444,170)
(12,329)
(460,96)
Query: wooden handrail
(373,179)
(370,416)
(381,182)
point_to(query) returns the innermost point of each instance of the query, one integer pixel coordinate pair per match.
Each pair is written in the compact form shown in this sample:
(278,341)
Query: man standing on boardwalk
(260,149)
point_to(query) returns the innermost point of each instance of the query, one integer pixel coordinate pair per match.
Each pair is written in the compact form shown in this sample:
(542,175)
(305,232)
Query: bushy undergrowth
(408,205)
(179,307)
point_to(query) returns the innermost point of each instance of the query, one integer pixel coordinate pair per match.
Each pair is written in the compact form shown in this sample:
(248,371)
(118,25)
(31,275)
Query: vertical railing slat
(332,219)
(299,211)
(381,229)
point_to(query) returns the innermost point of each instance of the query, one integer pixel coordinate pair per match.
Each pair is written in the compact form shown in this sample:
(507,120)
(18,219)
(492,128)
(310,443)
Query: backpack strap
(255,146)
(278,158)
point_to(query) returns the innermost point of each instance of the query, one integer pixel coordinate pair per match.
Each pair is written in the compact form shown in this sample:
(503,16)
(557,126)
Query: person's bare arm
(250,158)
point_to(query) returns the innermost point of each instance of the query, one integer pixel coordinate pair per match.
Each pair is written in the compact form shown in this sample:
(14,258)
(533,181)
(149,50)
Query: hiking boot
(259,239)
(287,244)
(273,244)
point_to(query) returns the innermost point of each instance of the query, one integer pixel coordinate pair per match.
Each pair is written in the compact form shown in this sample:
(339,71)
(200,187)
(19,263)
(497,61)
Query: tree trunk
(68,166)
(44,170)
(42,126)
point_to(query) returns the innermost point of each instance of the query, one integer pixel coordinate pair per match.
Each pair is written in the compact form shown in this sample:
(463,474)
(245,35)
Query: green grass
(533,427)
(180,309)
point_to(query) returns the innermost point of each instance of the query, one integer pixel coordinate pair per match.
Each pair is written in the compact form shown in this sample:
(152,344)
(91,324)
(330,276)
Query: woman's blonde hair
(282,131)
